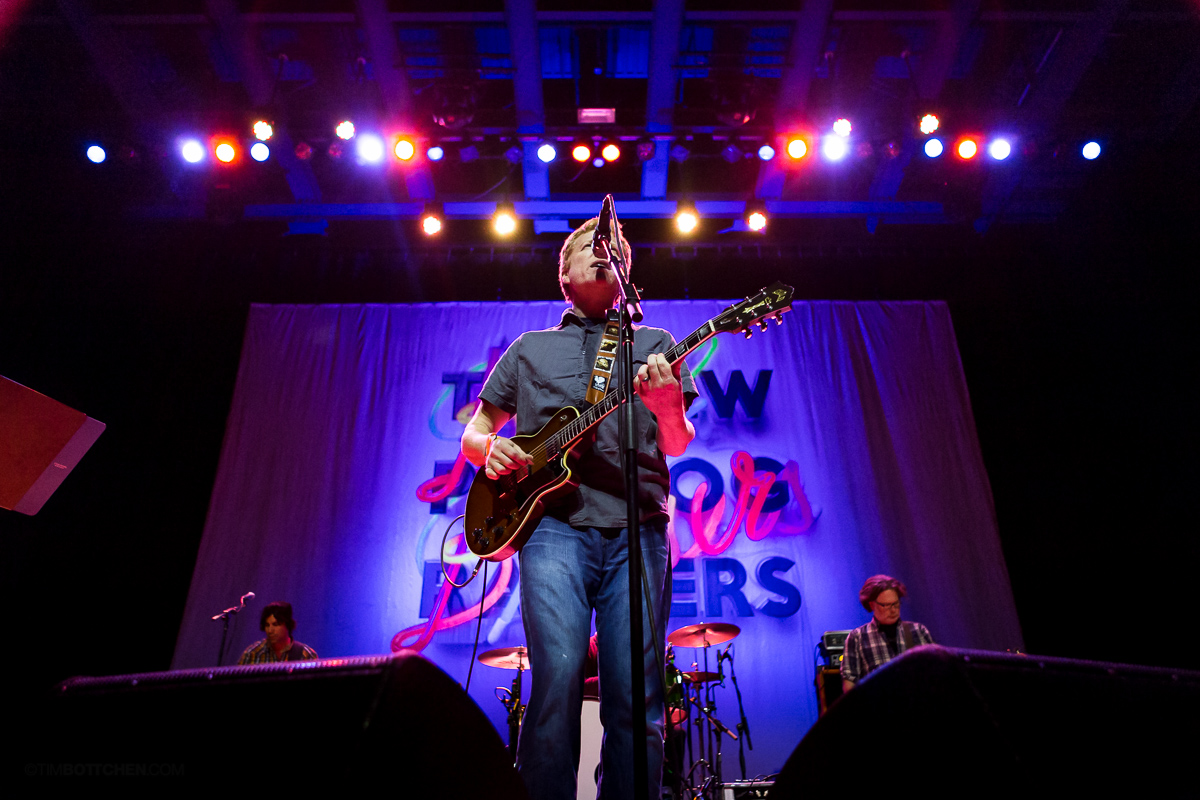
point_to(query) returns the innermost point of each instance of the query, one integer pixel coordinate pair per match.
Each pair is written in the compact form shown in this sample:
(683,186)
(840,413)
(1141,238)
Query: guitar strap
(606,360)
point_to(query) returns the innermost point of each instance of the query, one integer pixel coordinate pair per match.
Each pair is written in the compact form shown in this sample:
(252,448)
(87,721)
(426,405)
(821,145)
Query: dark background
(1078,340)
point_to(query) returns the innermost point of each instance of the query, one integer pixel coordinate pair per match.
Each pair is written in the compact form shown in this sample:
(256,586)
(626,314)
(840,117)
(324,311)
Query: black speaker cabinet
(970,723)
(398,721)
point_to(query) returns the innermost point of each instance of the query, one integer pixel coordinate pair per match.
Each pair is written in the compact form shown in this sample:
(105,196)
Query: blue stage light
(435,153)
(999,149)
(192,151)
(766,152)
(933,148)
(96,154)
(834,147)
(370,148)
(259,151)
(1091,150)
(546,153)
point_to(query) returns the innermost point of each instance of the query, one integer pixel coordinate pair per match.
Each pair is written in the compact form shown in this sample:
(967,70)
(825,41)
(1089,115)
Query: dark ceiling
(137,77)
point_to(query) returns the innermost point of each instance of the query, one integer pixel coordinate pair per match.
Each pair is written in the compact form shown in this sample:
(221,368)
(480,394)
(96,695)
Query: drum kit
(691,704)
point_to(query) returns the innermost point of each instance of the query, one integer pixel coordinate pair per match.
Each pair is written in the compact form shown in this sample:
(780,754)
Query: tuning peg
(748,332)
(762,325)
(778,318)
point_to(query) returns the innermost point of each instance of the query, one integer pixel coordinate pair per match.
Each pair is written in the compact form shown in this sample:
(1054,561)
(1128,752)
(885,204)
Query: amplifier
(832,645)
(740,789)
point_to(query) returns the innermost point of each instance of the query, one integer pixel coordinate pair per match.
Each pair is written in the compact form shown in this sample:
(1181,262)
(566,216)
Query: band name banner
(831,448)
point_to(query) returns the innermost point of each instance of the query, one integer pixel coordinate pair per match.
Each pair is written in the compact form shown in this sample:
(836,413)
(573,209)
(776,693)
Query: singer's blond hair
(583,230)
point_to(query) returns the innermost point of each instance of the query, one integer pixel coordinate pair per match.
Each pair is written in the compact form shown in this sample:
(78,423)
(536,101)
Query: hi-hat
(506,658)
(704,634)
(700,677)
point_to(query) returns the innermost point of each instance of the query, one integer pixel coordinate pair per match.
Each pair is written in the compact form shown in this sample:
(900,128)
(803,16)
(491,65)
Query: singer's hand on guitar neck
(657,384)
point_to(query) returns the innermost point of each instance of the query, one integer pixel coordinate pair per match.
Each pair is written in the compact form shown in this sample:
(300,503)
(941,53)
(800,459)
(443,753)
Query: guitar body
(502,513)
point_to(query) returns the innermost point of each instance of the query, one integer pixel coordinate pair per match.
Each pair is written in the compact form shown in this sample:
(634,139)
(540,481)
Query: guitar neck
(578,427)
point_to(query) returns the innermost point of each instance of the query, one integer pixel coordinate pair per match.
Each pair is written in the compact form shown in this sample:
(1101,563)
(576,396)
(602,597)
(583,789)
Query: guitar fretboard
(579,426)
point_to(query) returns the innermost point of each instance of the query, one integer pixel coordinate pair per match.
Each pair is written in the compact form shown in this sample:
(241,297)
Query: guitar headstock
(771,302)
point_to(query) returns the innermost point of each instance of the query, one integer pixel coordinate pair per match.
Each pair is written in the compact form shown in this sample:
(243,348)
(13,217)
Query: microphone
(603,233)
(247,596)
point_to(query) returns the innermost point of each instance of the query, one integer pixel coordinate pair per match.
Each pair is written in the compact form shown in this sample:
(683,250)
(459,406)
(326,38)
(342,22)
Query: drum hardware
(510,658)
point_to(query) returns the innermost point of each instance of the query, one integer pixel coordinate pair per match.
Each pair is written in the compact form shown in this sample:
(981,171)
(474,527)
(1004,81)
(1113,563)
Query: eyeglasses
(888,606)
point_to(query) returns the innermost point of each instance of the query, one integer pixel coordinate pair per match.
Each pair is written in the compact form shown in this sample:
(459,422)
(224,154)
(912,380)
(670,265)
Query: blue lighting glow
(834,148)
(766,152)
(933,148)
(192,151)
(370,148)
(96,154)
(547,153)
(435,153)
(999,149)
(597,162)
(1091,150)
(260,152)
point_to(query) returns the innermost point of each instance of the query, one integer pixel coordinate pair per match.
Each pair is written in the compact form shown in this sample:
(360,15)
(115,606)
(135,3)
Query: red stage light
(967,148)
(581,152)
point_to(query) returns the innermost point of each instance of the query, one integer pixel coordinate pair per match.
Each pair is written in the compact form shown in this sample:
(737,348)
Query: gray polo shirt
(543,371)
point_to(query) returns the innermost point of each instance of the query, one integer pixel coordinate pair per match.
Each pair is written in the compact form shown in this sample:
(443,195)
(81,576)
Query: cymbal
(506,658)
(704,634)
(700,677)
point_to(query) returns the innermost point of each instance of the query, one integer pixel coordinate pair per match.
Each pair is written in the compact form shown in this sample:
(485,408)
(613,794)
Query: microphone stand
(224,617)
(630,311)
(743,726)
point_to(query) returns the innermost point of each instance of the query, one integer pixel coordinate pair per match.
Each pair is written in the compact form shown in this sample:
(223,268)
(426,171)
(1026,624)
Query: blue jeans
(565,573)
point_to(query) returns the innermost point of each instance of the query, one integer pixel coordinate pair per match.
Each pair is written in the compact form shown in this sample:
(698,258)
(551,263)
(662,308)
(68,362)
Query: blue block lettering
(768,580)
(715,588)
(725,399)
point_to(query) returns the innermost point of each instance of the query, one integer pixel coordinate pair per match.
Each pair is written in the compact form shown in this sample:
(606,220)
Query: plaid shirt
(867,647)
(261,653)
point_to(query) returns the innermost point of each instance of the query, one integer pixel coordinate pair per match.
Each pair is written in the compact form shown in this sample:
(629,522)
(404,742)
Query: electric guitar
(502,513)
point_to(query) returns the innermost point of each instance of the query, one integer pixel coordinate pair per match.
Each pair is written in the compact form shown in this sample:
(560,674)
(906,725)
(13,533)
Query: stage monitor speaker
(972,723)
(41,441)
(370,721)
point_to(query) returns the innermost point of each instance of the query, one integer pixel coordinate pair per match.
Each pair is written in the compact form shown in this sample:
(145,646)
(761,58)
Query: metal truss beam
(525,51)
(256,78)
(1048,97)
(808,44)
(660,92)
(387,64)
(929,76)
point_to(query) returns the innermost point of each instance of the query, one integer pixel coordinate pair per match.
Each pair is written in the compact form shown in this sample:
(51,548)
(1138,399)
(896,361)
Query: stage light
(645,149)
(435,153)
(933,148)
(468,154)
(404,149)
(431,225)
(546,153)
(505,221)
(514,155)
(263,130)
(193,151)
(834,148)
(732,153)
(679,153)
(225,152)
(756,217)
(610,152)
(581,153)
(597,162)
(345,130)
(842,127)
(929,124)
(370,148)
(797,148)
(335,149)
(766,152)
(686,218)
(967,149)
(259,151)
(999,149)
(96,154)
(1091,150)
(304,151)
